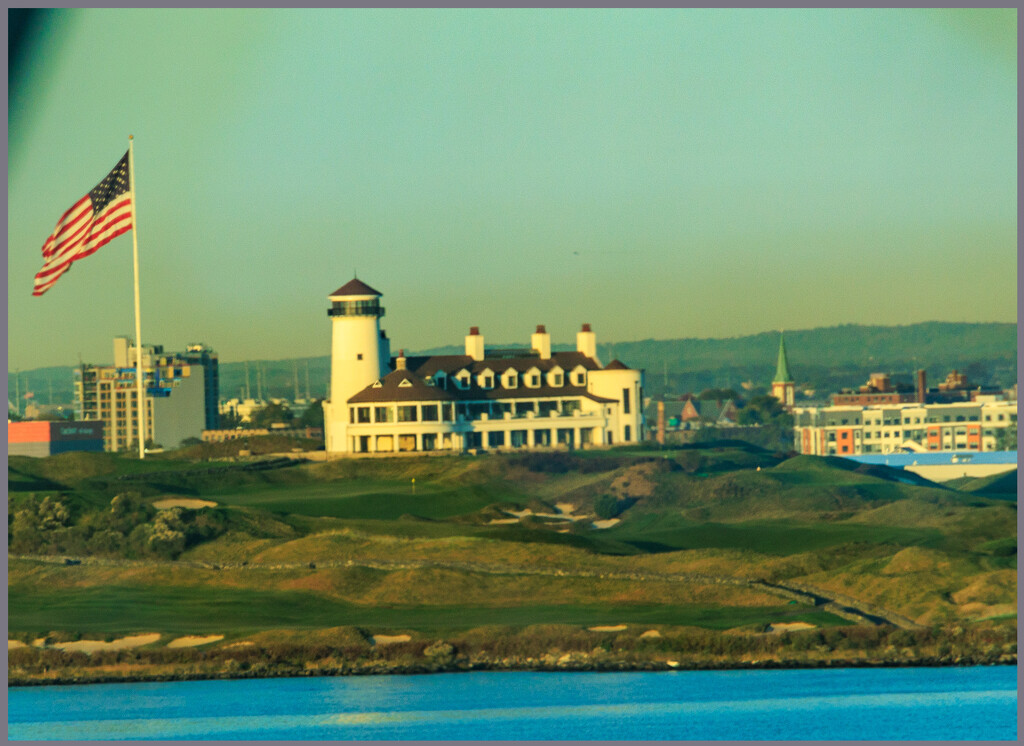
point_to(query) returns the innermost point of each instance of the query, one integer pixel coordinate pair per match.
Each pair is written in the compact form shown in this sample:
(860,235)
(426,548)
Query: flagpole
(141,408)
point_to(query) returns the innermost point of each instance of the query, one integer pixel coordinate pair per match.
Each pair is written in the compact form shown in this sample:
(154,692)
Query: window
(496,439)
(359,356)
(362,414)
(511,381)
(429,441)
(556,379)
(627,434)
(428,412)
(407,413)
(383,414)
(625,402)
(448,412)
(522,407)
(534,381)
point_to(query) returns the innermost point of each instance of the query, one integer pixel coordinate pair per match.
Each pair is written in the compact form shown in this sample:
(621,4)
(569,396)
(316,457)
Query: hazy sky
(657,173)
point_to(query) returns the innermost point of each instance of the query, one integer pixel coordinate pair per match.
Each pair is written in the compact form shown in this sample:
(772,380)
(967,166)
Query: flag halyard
(101,215)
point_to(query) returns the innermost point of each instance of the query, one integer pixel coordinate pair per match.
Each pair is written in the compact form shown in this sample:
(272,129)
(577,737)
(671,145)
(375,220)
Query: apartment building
(180,393)
(979,425)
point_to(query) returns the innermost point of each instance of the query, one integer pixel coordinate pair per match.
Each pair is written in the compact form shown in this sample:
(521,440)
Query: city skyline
(658,174)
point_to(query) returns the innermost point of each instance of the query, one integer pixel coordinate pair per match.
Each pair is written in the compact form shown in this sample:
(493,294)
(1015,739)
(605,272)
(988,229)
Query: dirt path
(835,603)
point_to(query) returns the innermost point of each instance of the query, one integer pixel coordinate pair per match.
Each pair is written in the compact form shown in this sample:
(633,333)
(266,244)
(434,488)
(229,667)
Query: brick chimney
(475,343)
(586,343)
(922,388)
(540,340)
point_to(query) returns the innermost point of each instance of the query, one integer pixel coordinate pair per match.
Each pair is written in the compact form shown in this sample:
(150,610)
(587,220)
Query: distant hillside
(823,359)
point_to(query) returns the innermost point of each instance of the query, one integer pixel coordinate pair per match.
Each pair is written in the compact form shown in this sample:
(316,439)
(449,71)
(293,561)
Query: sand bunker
(650,633)
(615,628)
(190,641)
(390,639)
(12,644)
(606,524)
(95,646)
(789,626)
(183,502)
(495,521)
(242,644)
(566,508)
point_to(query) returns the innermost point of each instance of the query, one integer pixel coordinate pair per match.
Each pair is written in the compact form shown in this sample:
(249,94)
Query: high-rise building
(181,392)
(486,399)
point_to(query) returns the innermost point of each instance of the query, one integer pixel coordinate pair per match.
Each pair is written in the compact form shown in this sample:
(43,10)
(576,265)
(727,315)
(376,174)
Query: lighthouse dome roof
(354,286)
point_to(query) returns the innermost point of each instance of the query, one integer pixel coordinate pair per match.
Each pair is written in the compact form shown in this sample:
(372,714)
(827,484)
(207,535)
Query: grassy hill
(498,542)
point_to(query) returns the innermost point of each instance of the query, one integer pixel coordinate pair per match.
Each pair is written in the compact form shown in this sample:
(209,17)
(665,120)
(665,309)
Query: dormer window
(511,380)
(556,376)
(532,378)
(462,379)
(486,382)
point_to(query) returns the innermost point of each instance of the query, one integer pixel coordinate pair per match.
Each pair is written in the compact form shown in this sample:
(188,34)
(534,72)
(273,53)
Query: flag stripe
(65,246)
(73,215)
(89,247)
(94,242)
(83,229)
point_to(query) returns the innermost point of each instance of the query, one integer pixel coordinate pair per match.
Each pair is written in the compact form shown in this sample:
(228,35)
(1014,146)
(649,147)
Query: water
(978,703)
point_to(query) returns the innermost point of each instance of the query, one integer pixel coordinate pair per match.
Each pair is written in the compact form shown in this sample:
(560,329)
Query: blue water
(847,704)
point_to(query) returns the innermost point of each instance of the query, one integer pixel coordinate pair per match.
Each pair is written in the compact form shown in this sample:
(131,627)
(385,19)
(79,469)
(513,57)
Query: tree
(273,413)
(314,415)
(1006,438)
(229,421)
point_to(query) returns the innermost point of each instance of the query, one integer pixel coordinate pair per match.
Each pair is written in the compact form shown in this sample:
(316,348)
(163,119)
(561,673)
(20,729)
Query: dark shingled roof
(391,389)
(451,364)
(354,287)
(616,365)
(419,368)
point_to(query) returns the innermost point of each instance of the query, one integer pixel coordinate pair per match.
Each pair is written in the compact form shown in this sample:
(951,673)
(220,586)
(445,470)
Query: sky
(659,174)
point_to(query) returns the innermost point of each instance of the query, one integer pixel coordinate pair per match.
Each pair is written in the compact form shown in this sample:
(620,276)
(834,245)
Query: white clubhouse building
(486,399)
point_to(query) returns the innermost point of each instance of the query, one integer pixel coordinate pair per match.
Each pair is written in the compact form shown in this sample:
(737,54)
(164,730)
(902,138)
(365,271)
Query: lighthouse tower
(360,354)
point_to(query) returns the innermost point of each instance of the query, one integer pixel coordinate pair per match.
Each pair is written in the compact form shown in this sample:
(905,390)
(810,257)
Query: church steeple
(782,369)
(783,387)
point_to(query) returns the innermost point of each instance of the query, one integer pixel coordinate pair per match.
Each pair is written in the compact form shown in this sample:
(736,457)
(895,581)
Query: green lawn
(666,532)
(123,609)
(364,498)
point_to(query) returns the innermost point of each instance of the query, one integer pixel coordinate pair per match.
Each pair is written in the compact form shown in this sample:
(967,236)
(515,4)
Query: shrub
(607,506)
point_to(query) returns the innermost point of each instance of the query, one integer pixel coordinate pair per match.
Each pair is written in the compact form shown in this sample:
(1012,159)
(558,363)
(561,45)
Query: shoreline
(152,672)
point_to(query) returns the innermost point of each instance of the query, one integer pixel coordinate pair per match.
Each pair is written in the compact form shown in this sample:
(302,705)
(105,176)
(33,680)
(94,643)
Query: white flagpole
(141,408)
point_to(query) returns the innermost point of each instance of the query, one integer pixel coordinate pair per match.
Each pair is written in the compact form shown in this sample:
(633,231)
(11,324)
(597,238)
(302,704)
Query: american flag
(102,214)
